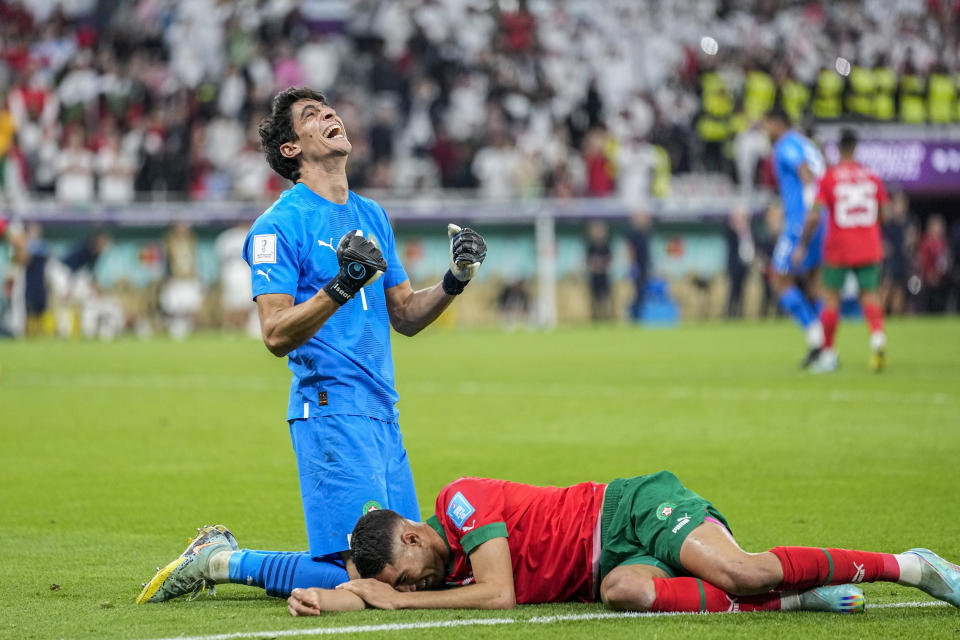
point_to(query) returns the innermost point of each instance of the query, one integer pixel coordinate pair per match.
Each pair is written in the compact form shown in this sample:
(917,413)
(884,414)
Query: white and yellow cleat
(187,574)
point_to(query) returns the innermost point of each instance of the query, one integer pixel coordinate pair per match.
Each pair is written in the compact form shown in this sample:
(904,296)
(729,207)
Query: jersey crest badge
(665,510)
(459,510)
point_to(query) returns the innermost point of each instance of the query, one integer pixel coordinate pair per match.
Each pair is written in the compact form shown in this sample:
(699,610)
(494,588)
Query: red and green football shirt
(550,531)
(853,195)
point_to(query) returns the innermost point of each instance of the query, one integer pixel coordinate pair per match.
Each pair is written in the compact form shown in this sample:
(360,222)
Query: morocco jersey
(553,534)
(347,367)
(853,195)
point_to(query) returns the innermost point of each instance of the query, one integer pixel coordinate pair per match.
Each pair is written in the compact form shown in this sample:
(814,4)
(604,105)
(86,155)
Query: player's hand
(361,263)
(376,594)
(304,602)
(467,252)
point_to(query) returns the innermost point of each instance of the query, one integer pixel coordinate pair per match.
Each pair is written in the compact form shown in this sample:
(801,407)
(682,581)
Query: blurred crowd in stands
(111,100)
(104,102)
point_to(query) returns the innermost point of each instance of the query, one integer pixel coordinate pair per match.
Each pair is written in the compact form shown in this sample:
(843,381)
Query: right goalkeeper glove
(361,263)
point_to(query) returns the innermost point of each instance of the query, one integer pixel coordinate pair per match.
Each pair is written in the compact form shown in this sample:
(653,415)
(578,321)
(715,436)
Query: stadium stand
(158,99)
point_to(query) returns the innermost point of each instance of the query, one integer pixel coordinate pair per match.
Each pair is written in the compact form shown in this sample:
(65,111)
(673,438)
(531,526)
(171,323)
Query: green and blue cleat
(841,598)
(187,574)
(939,578)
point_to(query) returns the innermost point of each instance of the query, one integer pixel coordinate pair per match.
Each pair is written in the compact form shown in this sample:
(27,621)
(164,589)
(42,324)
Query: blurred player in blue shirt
(799,166)
(328,284)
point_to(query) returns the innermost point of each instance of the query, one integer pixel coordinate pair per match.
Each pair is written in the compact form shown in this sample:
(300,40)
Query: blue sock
(280,572)
(793,302)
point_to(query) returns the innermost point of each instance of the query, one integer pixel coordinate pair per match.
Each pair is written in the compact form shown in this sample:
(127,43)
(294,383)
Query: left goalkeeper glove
(467,251)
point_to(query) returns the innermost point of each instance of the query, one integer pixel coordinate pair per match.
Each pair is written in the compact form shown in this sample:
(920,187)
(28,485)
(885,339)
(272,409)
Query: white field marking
(443,624)
(683,392)
(901,605)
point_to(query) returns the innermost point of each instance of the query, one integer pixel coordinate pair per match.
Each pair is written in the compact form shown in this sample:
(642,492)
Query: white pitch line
(443,624)
(901,605)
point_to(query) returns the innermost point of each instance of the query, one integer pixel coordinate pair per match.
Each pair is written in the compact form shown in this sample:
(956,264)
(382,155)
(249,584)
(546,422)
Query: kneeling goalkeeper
(642,544)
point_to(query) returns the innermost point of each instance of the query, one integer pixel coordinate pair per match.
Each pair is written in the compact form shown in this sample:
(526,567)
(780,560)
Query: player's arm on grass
(492,588)
(410,311)
(313,602)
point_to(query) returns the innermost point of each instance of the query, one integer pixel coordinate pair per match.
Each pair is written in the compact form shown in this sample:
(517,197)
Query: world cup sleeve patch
(265,248)
(459,510)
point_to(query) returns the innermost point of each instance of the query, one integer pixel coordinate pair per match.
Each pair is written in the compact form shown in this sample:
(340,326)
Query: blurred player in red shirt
(646,543)
(854,197)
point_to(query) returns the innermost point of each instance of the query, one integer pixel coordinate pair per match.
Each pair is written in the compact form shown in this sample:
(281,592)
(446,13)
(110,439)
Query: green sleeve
(477,537)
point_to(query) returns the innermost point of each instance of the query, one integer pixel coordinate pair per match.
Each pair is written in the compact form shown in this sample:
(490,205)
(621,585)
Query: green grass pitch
(113,454)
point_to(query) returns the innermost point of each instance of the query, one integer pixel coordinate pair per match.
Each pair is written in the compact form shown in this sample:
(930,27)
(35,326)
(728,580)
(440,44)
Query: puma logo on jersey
(681,523)
(265,274)
(329,245)
(858,576)
(734,605)
(473,523)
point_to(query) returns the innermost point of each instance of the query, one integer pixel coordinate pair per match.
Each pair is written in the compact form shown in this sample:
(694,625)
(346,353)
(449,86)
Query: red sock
(809,567)
(874,315)
(695,595)
(828,318)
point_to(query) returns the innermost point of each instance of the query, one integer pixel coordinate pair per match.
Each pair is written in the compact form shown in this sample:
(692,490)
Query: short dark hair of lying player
(644,544)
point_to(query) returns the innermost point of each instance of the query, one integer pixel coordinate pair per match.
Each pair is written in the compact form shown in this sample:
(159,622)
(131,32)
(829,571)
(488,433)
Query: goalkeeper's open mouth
(334,130)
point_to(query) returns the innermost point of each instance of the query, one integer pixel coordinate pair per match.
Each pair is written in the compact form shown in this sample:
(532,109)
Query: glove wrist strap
(452,286)
(337,292)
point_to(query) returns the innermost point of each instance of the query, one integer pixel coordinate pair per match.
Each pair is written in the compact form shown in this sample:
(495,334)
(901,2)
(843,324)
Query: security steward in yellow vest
(913,102)
(828,95)
(941,95)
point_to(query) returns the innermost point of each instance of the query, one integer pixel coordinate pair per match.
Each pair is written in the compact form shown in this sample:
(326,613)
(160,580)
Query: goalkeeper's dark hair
(848,142)
(374,541)
(277,128)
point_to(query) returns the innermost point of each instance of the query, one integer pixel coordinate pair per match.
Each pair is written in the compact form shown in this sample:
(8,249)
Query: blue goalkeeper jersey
(790,152)
(347,367)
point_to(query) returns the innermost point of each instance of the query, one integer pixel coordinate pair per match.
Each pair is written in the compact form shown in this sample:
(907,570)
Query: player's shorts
(646,519)
(868,276)
(785,247)
(349,465)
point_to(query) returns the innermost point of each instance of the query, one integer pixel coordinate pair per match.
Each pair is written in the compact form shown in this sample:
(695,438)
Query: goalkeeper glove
(467,251)
(361,263)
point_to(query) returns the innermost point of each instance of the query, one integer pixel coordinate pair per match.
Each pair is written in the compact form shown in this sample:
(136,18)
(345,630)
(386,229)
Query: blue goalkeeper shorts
(787,245)
(349,465)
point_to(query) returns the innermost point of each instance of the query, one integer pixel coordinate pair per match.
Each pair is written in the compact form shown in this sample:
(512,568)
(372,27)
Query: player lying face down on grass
(642,544)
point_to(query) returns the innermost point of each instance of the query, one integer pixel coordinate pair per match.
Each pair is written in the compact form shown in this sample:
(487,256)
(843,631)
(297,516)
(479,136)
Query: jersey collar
(309,194)
(434,523)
